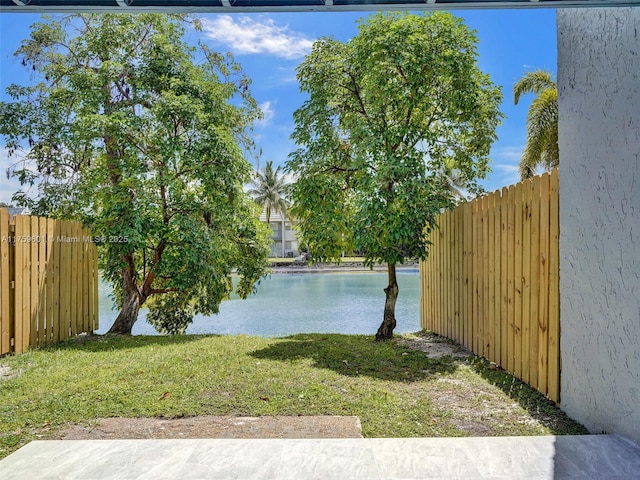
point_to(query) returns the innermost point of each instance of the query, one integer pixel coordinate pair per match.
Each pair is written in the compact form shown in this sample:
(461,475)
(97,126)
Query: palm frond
(270,189)
(541,149)
(533,82)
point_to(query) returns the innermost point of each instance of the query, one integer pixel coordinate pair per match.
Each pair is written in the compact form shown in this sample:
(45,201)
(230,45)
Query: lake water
(285,304)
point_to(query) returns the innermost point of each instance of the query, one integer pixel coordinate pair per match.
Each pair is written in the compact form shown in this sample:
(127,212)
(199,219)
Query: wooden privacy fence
(48,281)
(491,280)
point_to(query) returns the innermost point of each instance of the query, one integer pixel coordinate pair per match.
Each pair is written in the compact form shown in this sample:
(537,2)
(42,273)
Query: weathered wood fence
(491,281)
(48,281)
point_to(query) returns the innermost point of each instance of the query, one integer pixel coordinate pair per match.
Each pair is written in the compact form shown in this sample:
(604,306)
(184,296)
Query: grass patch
(396,391)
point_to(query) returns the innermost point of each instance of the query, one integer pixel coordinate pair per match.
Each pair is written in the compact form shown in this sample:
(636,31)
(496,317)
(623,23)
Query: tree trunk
(385,332)
(130,305)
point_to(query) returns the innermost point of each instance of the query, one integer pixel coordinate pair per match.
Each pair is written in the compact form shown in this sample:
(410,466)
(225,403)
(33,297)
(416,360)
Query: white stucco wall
(599,135)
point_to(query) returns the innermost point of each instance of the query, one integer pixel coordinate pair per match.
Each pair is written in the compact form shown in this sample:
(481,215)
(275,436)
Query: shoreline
(346,267)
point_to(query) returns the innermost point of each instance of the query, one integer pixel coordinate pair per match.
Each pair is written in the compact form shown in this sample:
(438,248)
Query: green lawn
(396,391)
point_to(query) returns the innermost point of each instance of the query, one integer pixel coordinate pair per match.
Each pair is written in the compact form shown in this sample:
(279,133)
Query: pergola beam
(241,6)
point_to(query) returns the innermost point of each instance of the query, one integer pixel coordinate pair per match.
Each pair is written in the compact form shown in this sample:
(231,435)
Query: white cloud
(244,35)
(504,168)
(508,153)
(505,165)
(268,112)
(509,174)
(289,75)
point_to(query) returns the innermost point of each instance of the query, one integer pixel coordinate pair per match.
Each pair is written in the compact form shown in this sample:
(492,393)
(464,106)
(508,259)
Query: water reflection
(348,303)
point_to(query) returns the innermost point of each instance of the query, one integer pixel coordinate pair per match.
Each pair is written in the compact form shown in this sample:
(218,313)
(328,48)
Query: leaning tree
(142,137)
(387,113)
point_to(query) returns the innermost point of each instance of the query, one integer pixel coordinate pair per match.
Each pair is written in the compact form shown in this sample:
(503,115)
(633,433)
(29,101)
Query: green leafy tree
(127,130)
(270,189)
(541,149)
(385,112)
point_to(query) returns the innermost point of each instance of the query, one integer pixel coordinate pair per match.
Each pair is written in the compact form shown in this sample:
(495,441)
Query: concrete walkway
(563,457)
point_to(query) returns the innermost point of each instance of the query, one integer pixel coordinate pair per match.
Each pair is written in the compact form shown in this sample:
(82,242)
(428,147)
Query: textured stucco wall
(599,135)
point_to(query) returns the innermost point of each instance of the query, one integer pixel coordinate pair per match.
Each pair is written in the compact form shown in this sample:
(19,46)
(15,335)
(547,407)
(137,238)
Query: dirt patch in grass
(210,426)
(434,346)
(6,372)
(498,405)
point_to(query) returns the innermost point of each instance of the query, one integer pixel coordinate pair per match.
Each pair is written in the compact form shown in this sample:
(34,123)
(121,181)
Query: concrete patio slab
(562,457)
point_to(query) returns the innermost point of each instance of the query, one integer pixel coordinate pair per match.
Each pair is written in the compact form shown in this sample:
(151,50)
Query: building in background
(284,239)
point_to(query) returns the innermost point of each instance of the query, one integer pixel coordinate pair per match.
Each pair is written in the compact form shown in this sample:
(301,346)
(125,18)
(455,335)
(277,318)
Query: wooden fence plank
(94,283)
(42,299)
(426,298)
(22,309)
(440,280)
(437,321)
(76,276)
(504,248)
(65,273)
(433,280)
(460,274)
(491,272)
(517,279)
(32,244)
(55,280)
(479,288)
(468,280)
(434,260)
(554,289)
(526,277)
(81,321)
(5,279)
(497,281)
(486,279)
(543,276)
(87,266)
(49,279)
(535,286)
(446,320)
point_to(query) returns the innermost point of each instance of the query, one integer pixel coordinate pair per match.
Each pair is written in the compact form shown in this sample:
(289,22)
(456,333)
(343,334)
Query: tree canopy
(387,113)
(541,149)
(143,138)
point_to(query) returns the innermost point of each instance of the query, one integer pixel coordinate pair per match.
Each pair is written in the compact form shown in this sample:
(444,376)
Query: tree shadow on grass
(106,343)
(535,403)
(359,355)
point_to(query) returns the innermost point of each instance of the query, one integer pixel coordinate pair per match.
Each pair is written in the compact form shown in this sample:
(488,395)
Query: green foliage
(143,138)
(390,113)
(542,122)
(170,315)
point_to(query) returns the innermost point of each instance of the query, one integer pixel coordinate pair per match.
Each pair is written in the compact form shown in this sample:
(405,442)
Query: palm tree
(270,190)
(453,180)
(542,122)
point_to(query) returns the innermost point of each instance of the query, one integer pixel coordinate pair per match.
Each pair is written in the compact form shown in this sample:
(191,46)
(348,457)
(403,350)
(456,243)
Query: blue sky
(270,46)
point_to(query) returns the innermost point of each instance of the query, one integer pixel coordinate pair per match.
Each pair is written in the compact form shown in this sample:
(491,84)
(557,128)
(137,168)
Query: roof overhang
(248,6)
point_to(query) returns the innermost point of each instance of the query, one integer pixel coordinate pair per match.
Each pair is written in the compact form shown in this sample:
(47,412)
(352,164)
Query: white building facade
(284,243)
